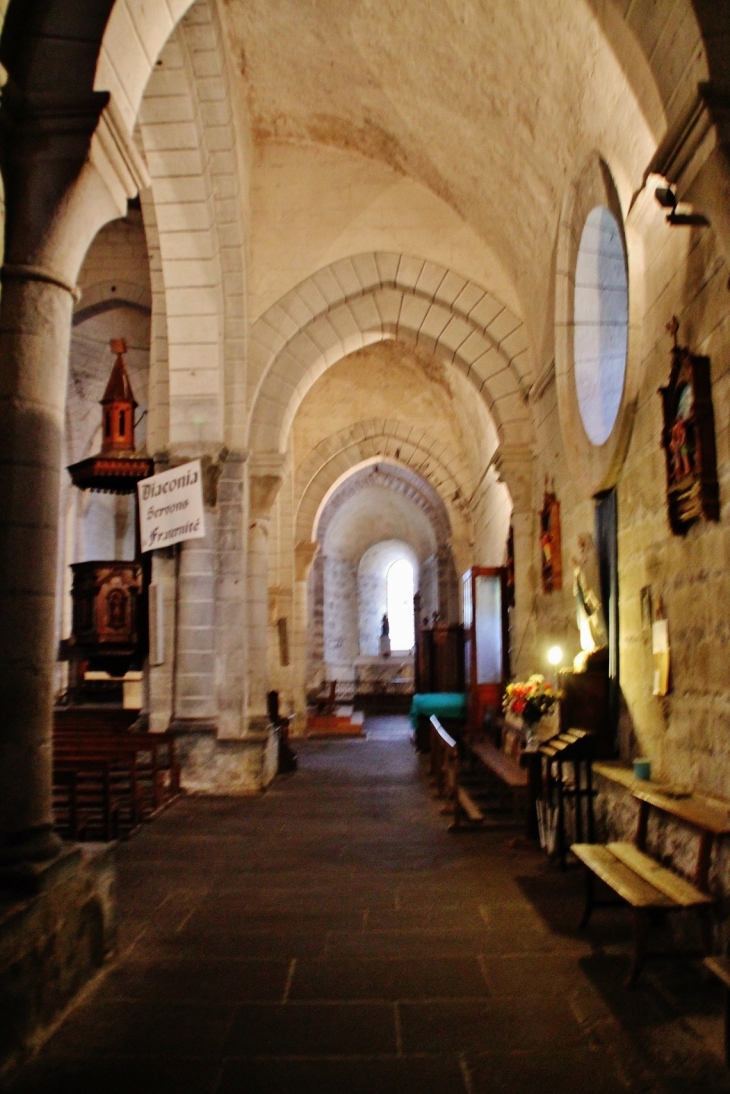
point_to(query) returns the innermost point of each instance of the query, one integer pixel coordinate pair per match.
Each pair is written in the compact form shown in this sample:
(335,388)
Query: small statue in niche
(385,636)
(550,543)
(588,607)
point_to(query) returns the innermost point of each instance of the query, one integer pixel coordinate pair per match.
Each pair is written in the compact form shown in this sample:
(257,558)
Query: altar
(382,679)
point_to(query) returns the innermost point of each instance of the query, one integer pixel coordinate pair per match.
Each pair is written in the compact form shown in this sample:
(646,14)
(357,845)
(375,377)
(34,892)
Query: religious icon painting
(551,557)
(688,439)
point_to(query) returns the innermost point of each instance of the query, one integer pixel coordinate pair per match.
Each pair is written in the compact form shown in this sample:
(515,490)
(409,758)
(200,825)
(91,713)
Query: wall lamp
(668,200)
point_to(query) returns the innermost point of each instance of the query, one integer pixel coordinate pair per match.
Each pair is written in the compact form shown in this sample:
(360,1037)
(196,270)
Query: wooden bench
(507,770)
(646,885)
(444,769)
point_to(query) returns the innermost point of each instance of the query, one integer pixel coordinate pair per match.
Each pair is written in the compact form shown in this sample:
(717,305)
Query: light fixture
(555,655)
(668,200)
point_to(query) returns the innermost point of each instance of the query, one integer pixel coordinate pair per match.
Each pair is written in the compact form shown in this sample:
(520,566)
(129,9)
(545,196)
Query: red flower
(518,706)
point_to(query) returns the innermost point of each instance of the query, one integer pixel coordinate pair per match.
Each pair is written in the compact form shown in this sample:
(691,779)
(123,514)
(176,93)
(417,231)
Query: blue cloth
(444,704)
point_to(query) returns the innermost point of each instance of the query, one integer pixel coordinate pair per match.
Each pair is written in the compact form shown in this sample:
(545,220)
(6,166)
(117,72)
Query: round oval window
(601,323)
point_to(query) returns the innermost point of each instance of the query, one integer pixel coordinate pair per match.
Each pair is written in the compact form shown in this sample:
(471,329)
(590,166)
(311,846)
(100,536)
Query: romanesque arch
(188,131)
(339,455)
(368,298)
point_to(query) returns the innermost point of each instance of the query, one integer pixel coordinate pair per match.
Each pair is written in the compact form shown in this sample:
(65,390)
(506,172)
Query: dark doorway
(606,518)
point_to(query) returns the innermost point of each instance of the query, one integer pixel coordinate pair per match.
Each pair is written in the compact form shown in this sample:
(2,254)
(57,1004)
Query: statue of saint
(588,607)
(385,637)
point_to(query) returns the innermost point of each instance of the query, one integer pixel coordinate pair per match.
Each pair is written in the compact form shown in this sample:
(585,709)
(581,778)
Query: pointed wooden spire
(118,403)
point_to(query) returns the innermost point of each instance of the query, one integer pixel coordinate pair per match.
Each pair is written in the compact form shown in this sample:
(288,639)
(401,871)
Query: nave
(333,936)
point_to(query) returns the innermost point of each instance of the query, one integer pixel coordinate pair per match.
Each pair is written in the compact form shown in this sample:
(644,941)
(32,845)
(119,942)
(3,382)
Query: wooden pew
(444,768)
(103,768)
(504,768)
(83,798)
(126,778)
(94,719)
(160,747)
(642,882)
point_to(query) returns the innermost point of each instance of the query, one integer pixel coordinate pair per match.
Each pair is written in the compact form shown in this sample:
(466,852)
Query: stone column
(195,697)
(304,556)
(65,177)
(35,325)
(266,473)
(514,466)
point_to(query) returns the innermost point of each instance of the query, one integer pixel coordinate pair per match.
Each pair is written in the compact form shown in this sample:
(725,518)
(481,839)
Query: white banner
(171,506)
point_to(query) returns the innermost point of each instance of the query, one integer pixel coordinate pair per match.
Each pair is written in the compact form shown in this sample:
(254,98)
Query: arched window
(399,599)
(601,314)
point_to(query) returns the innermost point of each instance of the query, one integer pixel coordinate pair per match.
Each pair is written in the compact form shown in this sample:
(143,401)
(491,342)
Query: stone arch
(135,35)
(401,480)
(372,441)
(188,131)
(442,566)
(371,297)
(106,295)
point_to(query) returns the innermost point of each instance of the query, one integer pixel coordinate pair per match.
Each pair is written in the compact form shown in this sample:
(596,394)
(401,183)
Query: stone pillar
(514,466)
(35,325)
(304,556)
(231,598)
(266,473)
(195,697)
(68,169)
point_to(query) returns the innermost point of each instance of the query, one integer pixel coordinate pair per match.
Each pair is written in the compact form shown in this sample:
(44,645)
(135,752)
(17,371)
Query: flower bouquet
(531,700)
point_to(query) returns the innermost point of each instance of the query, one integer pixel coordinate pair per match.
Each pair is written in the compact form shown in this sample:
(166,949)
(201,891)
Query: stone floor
(331,936)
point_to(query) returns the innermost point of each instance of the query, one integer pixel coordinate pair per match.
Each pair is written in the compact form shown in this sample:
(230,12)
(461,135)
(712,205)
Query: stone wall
(686,734)
(341,643)
(56,930)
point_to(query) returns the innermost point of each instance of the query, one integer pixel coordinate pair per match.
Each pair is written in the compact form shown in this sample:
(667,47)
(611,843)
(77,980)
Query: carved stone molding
(115,157)
(304,555)
(266,474)
(514,467)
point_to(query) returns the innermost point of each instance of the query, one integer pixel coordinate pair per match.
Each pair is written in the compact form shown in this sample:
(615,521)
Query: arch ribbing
(371,297)
(405,445)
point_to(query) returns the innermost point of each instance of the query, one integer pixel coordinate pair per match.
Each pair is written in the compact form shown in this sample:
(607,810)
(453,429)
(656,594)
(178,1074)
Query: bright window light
(399,599)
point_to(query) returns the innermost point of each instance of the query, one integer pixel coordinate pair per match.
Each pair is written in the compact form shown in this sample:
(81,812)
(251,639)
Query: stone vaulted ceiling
(493,106)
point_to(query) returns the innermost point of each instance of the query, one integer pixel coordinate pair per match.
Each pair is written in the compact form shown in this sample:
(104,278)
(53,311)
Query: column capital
(265,476)
(70,168)
(304,555)
(514,466)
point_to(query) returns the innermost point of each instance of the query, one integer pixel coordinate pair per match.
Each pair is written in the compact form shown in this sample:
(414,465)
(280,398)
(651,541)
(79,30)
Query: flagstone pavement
(332,936)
